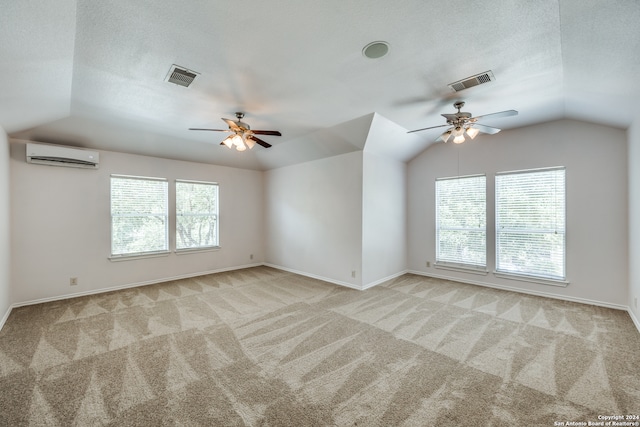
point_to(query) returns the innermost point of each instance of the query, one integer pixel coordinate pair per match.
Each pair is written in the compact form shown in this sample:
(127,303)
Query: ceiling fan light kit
(462,123)
(243,136)
(458,133)
(235,140)
(472,132)
(445,136)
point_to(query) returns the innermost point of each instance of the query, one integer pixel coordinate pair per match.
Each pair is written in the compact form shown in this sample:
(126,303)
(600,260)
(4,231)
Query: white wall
(384,218)
(324,217)
(61,224)
(313,218)
(5,238)
(596,172)
(634,219)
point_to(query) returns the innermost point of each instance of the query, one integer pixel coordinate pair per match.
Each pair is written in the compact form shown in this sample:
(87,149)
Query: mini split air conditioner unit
(57,155)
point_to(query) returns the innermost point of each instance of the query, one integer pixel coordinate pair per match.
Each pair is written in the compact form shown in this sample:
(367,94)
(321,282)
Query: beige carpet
(262,347)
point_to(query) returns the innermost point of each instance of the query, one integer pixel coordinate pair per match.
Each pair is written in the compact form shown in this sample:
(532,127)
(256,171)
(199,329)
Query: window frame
(441,262)
(215,214)
(139,254)
(549,277)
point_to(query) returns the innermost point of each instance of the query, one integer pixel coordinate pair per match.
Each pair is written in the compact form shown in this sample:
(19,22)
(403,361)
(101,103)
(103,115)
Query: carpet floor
(263,347)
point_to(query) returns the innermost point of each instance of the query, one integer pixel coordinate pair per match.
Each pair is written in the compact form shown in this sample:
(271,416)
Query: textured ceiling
(92,73)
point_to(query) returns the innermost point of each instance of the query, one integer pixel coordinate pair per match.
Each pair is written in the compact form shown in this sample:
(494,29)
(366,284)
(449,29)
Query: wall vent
(472,81)
(181,76)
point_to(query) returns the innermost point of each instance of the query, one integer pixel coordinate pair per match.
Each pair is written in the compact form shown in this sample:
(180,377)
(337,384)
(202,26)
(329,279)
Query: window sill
(196,250)
(462,268)
(117,258)
(531,279)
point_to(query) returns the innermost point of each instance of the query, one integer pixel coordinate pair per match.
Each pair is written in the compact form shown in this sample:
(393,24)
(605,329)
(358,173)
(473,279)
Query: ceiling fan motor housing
(243,136)
(240,123)
(463,122)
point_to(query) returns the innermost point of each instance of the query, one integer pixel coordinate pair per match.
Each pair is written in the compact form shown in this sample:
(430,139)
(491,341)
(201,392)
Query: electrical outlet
(251,256)
(428,264)
(353,273)
(73,281)
(635,302)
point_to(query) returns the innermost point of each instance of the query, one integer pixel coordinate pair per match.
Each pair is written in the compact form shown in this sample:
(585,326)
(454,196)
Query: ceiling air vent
(181,76)
(472,81)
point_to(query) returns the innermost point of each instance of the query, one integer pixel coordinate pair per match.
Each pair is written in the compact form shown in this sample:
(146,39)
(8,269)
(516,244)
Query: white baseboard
(523,291)
(168,279)
(314,276)
(386,279)
(338,282)
(6,316)
(634,318)
(131,285)
(326,279)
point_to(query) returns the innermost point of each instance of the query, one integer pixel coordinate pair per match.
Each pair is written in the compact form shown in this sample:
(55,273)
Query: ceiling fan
(243,136)
(462,123)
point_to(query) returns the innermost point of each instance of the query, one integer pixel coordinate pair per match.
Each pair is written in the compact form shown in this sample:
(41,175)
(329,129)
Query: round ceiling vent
(376,50)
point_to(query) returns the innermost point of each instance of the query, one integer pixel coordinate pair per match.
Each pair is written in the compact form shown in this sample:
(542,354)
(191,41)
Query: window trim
(138,255)
(461,267)
(452,265)
(145,254)
(531,279)
(208,248)
(545,280)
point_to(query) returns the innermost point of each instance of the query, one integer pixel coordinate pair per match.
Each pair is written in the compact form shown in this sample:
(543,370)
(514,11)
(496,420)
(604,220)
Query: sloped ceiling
(92,73)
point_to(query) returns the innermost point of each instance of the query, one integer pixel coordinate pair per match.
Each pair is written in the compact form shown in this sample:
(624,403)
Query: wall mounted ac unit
(57,155)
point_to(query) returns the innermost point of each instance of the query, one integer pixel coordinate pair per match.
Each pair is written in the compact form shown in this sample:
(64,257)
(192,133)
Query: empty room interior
(336,213)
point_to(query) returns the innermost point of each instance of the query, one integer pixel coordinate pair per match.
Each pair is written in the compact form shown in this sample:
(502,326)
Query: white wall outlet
(251,256)
(635,302)
(428,263)
(73,281)
(353,273)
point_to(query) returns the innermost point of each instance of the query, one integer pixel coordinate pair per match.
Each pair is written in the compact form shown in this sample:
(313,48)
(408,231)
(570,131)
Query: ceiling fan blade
(260,142)
(485,129)
(232,125)
(432,127)
(266,132)
(214,130)
(506,113)
(451,117)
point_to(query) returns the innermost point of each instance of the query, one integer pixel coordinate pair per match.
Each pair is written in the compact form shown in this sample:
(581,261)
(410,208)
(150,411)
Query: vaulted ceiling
(92,73)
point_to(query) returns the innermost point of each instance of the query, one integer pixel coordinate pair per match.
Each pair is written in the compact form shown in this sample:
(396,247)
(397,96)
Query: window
(196,215)
(530,223)
(461,221)
(139,223)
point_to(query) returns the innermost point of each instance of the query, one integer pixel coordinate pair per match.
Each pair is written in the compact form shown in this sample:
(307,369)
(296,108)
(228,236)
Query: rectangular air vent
(181,76)
(472,81)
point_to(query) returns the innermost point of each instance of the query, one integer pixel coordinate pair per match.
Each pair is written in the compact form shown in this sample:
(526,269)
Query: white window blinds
(530,223)
(139,211)
(196,214)
(461,221)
